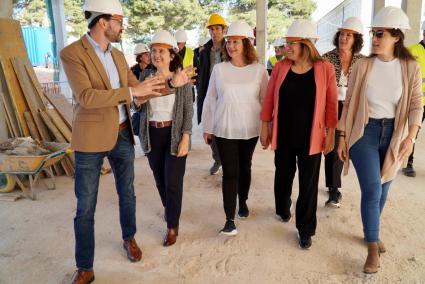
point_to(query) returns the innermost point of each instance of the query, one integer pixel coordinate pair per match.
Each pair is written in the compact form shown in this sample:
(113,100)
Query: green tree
(30,12)
(74,17)
(280,14)
(145,17)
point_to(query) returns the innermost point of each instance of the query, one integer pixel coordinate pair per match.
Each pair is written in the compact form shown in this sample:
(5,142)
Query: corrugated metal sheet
(38,41)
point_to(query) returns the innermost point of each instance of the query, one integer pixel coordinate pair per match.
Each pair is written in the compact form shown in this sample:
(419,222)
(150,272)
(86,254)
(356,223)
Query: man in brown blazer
(103,87)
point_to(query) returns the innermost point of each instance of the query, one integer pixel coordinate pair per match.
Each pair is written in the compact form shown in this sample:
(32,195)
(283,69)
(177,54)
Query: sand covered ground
(37,241)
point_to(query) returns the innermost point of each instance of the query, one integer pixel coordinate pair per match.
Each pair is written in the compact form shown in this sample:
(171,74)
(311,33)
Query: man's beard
(113,36)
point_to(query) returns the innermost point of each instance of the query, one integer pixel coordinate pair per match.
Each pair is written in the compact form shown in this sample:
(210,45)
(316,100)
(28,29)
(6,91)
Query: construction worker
(210,55)
(418,51)
(185,52)
(279,49)
(103,87)
(143,59)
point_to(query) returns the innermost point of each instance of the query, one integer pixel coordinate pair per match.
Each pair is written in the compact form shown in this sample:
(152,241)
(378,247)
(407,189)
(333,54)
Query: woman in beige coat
(380,118)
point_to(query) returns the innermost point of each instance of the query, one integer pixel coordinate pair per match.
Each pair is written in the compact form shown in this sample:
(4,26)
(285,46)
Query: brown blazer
(95,123)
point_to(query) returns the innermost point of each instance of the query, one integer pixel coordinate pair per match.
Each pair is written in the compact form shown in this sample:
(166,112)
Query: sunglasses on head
(377,33)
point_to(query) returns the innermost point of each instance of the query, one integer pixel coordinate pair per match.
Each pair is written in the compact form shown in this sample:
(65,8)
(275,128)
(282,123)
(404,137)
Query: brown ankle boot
(381,247)
(372,261)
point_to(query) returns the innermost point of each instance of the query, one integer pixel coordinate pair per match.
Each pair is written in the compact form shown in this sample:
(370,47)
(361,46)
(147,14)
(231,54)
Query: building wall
(329,24)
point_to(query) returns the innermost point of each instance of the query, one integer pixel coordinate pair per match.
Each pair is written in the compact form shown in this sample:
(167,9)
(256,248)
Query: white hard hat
(140,48)
(240,28)
(423,26)
(111,7)
(164,37)
(181,36)
(352,24)
(303,28)
(391,17)
(279,42)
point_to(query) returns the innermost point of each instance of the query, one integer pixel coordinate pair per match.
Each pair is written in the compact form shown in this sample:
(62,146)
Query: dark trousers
(410,161)
(236,159)
(87,173)
(168,171)
(286,161)
(333,165)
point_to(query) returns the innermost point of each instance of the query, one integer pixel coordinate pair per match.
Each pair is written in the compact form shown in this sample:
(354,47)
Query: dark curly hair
(357,45)
(176,63)
(249,53)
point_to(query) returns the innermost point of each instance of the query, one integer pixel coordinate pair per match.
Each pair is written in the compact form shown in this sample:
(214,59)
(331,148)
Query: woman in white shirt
(231,112)
(165,129)
(380,119)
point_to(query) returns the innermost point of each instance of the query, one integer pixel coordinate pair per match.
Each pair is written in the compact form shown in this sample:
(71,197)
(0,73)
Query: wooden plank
(60,124)
(31,125)
(10,108)
(58,137)
(34,102)
(12,44)
(62,105)
(34,80)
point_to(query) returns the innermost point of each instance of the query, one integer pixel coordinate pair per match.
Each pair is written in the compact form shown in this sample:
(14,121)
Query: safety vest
(418,51)
(273,60)
(188,57)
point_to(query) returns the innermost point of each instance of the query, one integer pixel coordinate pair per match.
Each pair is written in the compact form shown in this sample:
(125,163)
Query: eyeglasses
(377,33)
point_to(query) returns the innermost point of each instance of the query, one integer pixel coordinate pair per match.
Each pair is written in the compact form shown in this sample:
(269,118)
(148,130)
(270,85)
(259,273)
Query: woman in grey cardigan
(165,129)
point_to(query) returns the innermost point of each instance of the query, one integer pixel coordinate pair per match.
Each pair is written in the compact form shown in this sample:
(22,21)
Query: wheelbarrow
(12,167)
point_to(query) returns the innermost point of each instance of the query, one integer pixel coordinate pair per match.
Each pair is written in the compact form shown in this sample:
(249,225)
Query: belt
(160,124)
(124,125)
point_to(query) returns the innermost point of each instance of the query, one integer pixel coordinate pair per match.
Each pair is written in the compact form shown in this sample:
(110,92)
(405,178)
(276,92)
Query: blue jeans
(87,173)
(368,155)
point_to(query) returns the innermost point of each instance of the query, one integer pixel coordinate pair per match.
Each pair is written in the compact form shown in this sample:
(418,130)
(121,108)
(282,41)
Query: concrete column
(61,40)
(413,10)
(378,5)
(261,32)
(6,8)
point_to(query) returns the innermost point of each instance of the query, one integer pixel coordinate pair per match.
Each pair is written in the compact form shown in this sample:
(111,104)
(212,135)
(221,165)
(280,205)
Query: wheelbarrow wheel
(7,183)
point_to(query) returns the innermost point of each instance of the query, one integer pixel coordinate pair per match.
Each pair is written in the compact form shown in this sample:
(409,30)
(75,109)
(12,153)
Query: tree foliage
(146,16)
(280,14)
(30,12)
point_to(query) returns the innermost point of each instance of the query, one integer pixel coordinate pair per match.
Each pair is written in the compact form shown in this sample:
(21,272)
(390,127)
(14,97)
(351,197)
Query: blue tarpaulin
(38,41)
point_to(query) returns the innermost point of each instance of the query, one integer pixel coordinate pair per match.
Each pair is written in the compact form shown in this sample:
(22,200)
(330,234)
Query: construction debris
(28,109)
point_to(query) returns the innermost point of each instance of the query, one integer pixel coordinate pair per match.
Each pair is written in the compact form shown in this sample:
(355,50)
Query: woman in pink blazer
(299,117)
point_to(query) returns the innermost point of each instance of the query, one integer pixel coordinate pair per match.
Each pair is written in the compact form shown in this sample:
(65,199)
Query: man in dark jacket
(209,55)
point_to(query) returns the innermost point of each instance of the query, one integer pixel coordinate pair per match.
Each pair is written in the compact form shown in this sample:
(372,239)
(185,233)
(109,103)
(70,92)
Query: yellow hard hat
(216,19)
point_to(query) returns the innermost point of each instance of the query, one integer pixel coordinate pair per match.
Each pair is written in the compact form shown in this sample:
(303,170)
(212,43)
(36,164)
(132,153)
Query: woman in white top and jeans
(231,113)
(165,129)
(380,119)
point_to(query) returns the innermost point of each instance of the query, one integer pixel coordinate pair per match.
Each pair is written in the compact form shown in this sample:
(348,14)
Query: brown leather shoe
(134,253)
(171,237)
(82,277)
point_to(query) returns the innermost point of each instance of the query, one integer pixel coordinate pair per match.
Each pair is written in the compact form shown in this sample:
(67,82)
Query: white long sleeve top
(233,102)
